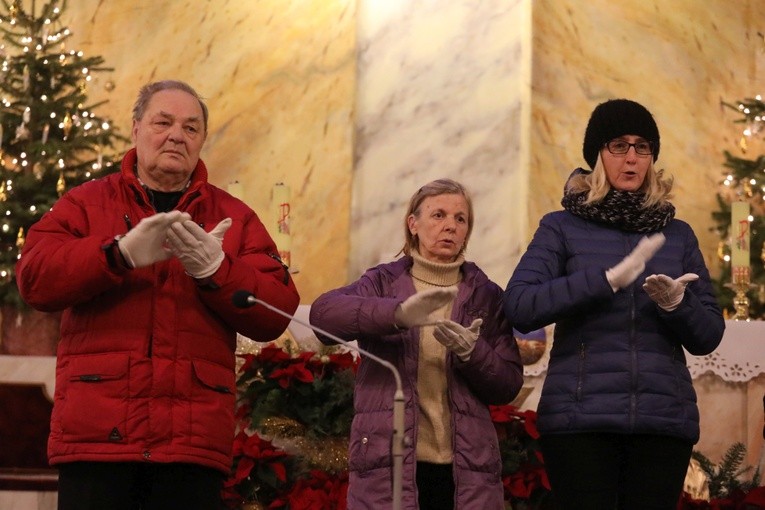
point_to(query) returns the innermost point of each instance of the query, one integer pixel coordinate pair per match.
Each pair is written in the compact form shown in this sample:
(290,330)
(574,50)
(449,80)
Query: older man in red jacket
(144,263)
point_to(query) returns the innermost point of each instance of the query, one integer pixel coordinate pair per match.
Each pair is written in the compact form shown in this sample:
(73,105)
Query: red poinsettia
(260,470)
(523,474)
(297,371)
(508,413)
(319,491)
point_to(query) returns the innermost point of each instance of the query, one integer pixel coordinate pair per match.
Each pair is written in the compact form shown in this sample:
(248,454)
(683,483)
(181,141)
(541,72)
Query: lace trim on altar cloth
(735,370)
(740,357)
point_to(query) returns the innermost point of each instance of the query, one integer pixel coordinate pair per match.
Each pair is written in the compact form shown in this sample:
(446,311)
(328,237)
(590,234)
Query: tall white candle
(739,234)
(282,209)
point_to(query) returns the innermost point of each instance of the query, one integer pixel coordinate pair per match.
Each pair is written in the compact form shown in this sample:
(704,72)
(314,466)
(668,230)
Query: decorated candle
(281,207)
(739,234)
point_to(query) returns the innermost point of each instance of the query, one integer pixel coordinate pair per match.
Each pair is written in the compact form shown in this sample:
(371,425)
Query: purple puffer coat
(493,375)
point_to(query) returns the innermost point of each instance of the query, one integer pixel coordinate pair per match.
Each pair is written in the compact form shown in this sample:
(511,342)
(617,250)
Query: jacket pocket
(212,406)
(95,403)
(370,442)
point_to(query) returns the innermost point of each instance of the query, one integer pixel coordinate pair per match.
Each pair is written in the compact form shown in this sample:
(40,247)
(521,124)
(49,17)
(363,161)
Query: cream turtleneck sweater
(434,431)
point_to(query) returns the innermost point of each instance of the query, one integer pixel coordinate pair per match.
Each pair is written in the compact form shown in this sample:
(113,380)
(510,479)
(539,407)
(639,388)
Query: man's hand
(416,309)
(457,338)
(627,271)
(666,292)
(145,244)
(201,253)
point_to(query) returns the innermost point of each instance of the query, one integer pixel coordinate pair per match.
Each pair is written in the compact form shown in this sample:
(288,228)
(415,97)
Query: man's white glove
(666,292)
(457,338)
(627,271)
(201,253)
(416,309)
(145,244)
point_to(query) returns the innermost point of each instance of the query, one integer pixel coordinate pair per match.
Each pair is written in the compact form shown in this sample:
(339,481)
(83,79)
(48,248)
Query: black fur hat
(615,118)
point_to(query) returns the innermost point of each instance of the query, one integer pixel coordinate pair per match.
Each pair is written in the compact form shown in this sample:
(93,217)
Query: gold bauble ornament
(20,239)
(60,184)
(67,125)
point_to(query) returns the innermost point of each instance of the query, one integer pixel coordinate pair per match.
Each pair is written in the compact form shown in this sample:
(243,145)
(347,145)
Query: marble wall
(442,92)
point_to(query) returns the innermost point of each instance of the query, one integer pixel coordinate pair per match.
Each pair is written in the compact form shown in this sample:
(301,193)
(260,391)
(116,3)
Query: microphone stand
(397,447)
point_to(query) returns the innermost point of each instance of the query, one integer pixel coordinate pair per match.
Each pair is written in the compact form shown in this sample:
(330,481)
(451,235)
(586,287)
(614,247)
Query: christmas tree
(744,181)
(51,139)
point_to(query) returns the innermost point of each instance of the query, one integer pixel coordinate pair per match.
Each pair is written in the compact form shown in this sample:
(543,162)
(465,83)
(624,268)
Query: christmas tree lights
(51,138)
(744,181)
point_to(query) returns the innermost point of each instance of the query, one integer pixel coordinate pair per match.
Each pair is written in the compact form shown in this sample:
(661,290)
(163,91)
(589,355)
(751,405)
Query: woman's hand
(416,309)
(666,292)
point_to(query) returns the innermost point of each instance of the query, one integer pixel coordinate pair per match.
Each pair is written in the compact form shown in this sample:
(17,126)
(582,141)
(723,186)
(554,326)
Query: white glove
(627,271)
(415,310)
(145,244)
(666,292)
(201,253)
(458,339)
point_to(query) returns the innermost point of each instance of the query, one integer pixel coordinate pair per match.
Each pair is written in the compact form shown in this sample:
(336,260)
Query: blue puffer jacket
(493,375)
(617,362)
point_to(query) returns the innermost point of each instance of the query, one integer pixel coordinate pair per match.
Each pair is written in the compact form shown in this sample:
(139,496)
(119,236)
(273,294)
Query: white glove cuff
(465,354)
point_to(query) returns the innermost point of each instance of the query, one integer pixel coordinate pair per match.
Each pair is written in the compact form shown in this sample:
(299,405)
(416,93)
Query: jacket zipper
(582,354)
(633,361)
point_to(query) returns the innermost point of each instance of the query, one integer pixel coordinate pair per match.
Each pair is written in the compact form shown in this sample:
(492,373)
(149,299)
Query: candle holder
(741,283)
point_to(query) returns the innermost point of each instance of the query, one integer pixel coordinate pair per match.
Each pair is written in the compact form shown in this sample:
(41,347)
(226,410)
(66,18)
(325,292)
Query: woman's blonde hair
(433,189)
(657,188)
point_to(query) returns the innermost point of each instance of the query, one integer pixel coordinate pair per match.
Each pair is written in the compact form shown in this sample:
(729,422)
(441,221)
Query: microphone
(245,299)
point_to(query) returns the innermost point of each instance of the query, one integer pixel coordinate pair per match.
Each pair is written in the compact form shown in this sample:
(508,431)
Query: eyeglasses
(619,146)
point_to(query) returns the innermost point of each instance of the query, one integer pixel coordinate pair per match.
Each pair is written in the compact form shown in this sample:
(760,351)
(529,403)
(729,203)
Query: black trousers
(435,486)
(615,471)
(138,486)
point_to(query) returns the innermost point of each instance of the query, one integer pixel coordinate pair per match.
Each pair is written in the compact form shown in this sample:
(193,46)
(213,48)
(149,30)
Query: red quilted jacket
(145,363)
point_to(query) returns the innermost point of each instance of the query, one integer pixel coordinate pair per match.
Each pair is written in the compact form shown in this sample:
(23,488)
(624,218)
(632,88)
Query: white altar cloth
(740,357)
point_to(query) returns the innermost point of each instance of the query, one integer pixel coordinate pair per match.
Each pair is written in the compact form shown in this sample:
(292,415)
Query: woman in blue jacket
(439,320)
(627,288)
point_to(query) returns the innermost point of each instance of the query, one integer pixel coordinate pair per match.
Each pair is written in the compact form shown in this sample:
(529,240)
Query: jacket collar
(198,179)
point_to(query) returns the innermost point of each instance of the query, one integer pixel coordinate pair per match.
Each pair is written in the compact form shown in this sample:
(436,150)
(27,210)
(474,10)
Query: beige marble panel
(679,58)
(442,93)
(279,78)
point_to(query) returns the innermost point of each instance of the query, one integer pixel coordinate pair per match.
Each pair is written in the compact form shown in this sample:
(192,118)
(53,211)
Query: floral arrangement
(294,417)
(295,410)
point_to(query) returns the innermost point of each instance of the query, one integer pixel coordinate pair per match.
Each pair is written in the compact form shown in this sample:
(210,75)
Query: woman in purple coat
(438,319)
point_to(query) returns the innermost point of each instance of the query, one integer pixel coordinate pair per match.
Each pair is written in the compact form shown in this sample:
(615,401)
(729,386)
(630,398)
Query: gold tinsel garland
(328,454)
